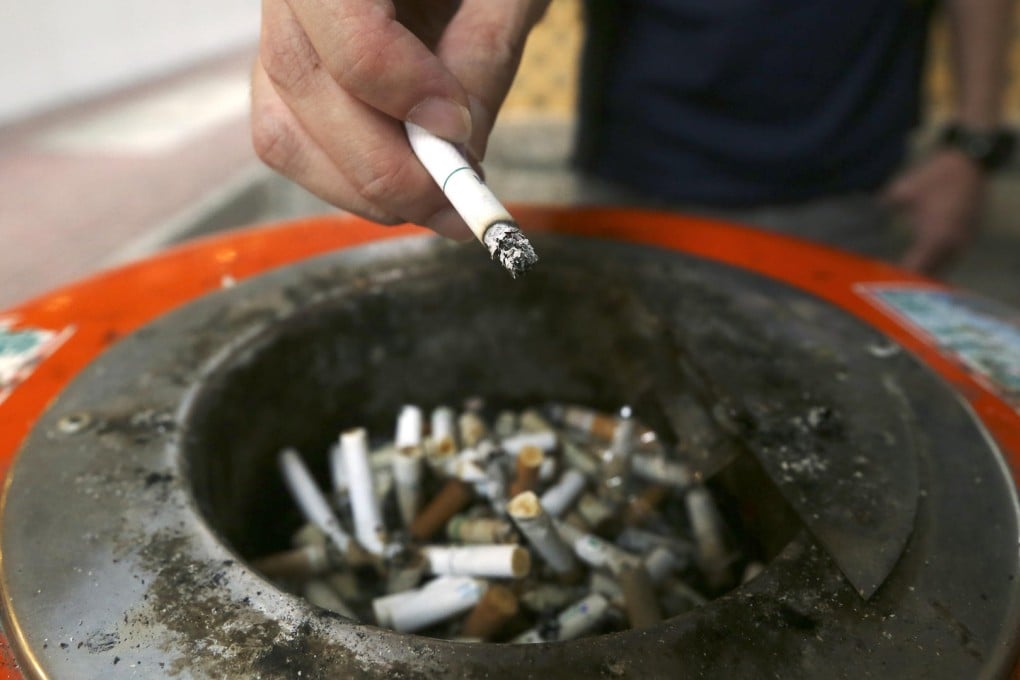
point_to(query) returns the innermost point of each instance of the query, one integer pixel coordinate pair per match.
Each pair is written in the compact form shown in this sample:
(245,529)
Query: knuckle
(289,60)
(363,63)
(383,180)
(273,139)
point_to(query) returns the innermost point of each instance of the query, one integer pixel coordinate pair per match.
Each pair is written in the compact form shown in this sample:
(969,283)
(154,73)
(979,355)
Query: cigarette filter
(451,499)
(472,429)
(497,606)
(483,561)
(535,524)
(480,530)
(543,440)
(303,562)
(639,598)
(529,460)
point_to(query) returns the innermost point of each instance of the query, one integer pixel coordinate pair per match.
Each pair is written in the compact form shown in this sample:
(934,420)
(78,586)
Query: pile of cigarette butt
(535,526)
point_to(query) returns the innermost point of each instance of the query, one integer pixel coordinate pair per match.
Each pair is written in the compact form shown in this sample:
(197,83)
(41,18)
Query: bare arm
(942,196)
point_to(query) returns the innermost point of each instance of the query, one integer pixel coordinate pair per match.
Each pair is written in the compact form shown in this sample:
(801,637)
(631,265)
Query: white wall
(56,51)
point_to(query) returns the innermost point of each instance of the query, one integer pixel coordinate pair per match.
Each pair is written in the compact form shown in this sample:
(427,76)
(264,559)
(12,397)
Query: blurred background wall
(56,52)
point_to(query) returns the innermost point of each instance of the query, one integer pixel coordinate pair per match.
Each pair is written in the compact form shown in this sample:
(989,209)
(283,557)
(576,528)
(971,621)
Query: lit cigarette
(368,524)
(543,440)
(642,607)
(595,551)
(478,207)
(497,606)
(304,562)
(451,499)
(529,460)
(481,530)
(436,601)
(483,561)
(559,497)
(572,622)
(311,501)
(322,595)
(537,526)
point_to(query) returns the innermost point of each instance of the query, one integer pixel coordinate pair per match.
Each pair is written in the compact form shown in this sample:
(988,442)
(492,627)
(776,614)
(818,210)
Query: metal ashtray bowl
(134,530)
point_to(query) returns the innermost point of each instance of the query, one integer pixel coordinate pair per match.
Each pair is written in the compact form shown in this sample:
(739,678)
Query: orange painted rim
(115,303)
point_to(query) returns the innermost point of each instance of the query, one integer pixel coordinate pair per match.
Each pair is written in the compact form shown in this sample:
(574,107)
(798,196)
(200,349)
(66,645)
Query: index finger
(379,61)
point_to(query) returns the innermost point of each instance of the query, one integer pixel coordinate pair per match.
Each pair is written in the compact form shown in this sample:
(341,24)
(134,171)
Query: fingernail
(448,223)
(443,117)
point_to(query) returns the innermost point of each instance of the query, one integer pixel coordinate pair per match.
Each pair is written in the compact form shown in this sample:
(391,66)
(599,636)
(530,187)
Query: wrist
(988,148)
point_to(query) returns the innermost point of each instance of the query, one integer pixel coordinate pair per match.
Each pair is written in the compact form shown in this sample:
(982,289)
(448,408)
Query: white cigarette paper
(659,469)
(558,498)
(407,474)
(409,428)
(368,524)
(574,621)
(542,440)
(596,552)
(469,196)
(310,499)
(483,561)
(436,601)
(707,527)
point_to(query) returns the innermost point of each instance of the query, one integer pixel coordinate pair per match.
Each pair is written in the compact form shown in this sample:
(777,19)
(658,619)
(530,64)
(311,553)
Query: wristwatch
(991,149)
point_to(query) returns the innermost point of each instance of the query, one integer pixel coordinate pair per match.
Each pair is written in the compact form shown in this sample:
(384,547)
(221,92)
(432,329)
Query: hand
(336,78)
(942,198)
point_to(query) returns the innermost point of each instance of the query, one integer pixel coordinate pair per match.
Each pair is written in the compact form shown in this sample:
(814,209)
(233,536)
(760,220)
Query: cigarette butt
(581,459)
(322,595)
(308,534)
(660,563)
(311,501)
(713,556)
(526,512)
(409,428)
(451,499)
(436,601)
(639,599)
(483,561)
(558,498)
(529,460)
(751,572)
(303,562)
(572,622)
(481,530)
(659,469)
(472,429)
(596,552)
(547,441)
(506,424)
(547,470)
(645,505)
(407,478)
(497,606)
(368,523)
(531,420)
(442,441)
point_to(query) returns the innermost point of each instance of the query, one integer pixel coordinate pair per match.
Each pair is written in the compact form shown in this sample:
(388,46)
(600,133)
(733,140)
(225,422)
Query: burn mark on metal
(298,354)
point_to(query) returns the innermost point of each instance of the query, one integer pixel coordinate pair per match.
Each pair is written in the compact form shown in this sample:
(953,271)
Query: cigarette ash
(532,526)
(508,244)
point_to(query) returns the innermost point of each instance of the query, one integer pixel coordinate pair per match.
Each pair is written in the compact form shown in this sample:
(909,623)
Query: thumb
(482,48)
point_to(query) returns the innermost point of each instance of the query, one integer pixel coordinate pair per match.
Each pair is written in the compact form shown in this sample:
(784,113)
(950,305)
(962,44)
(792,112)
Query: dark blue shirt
(744,102)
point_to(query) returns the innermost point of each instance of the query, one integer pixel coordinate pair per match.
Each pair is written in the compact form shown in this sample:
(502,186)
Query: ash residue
(511,247)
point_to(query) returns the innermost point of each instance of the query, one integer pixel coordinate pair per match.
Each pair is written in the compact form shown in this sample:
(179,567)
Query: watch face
(989,149)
